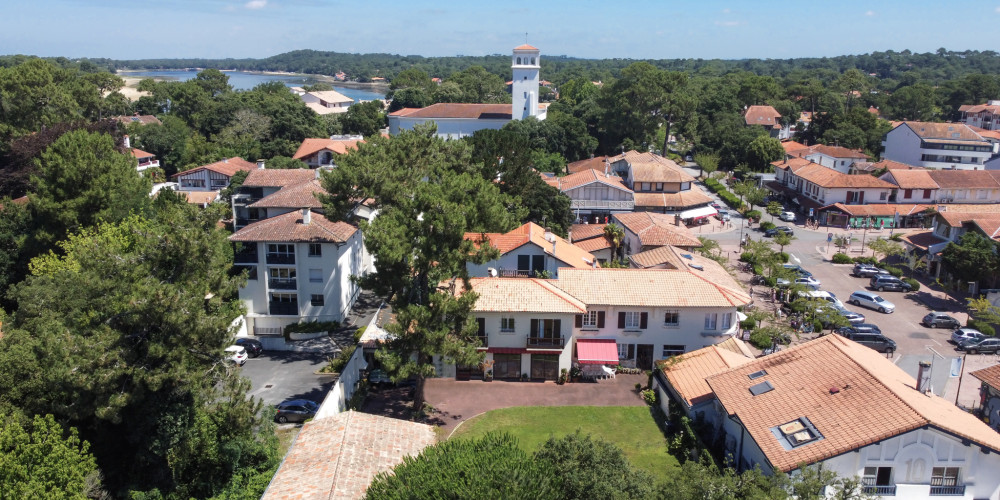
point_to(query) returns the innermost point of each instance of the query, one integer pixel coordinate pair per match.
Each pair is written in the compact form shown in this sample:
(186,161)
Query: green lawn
(631,428)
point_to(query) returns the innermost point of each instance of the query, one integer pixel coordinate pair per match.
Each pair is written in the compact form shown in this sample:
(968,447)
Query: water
(246,81)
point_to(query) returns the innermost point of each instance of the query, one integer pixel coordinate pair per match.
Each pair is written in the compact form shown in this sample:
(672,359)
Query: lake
(245,81)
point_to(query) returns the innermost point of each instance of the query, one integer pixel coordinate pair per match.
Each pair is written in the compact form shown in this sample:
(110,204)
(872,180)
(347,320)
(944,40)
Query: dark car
(296,410)
(882,283)
(876,341)
(252,346)
(780,229)
(984,346)
(940,320)
(797,269)
(862,270)
(859,328)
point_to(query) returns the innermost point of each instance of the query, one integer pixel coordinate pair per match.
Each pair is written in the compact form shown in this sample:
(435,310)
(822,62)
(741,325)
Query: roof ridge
(340,456)
(553,290)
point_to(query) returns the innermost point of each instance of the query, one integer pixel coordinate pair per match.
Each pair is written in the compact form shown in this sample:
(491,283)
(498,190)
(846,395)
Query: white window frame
(623,351)
(315,275)
(711,321)
(673,350)
(940,476)
(633,320)
(675,322)
(507,324)
(590,319)
(727,321)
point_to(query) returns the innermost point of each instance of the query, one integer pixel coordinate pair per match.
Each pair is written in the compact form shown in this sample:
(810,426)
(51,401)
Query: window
(315,249)
(876,476)
(518,60)
(981,194)
(507,325)
(315,275)
(282,272)
(281,249)
(711,321)
(284,297)
(727,321)
(532,60)
(672,350)
(644,186)
(659,186)
(316,299)
(631,320)
(590,319)
(908,193)
(883,195)
(192,182)
(671,318)
(944,476)
(626,351)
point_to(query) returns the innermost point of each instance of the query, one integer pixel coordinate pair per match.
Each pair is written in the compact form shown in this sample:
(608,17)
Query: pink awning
(597,351)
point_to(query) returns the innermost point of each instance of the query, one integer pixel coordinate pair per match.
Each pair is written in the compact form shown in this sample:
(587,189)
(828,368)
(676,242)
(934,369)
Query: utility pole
(961,371)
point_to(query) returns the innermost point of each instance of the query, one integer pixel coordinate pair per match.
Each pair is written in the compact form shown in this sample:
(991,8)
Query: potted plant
(563,375)
(525,377)
(575,374)
(489,376)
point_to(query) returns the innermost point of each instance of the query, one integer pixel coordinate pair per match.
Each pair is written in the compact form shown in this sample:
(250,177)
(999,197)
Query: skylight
(757,374)
(796,433)
(761,388)
(687,256)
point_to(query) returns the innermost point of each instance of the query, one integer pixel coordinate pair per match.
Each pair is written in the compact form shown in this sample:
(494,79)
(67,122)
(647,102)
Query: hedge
(748,324)
(895,271)
(727,196)
(764,226)
(982,326)
(866,260)
(842,258)
(913,283)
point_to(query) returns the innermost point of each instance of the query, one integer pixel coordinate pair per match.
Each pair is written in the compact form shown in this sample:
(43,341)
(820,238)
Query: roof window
(796,433)
(761,388)
(757,374)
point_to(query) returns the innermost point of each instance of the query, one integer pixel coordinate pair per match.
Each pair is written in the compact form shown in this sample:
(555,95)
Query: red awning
(597,351)
(507,350)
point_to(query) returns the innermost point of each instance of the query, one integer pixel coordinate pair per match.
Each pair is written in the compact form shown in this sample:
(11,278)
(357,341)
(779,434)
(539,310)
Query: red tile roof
(990,375)
(765,116)
(573,181)
(649,167)
(278,177)
(655,230)
(523,295)
(648,287)
(923,240)
(227,167)
(596,163)
(525,47)
(290,228)
(974,179)
(300,195)
(945,132)
(313,146)
(911,179)
(455,110)
(837,151)
(687,373)
(680,200)
(793,146)
(138,153)
(580,232)
(829,178)
(530,232)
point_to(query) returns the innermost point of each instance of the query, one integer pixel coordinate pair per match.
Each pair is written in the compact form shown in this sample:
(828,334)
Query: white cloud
(728,23)
(255,4)
(997,10)
(870,13)
(726,11)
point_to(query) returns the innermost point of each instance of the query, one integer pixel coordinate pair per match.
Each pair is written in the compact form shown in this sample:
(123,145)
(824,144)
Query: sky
(642,29)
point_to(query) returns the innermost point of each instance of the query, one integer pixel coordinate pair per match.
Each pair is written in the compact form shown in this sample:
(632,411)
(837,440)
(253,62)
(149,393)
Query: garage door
(545,366)
(507,366)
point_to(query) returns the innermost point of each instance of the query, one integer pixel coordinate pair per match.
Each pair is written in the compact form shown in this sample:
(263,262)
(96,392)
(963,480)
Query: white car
(808,281)
(787,216)
(237,354)
(871,301)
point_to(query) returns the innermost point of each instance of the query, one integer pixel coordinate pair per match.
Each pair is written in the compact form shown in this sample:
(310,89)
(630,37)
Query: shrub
(649,395)
(913,283)
(764,226)
(758,269)
(895,271)
(783,256)
(842,258)
(760,339)
(748,324)
(337,364)
(754,214)
(359,332)
(896,237)
(982,326)
(312,326)
(745,257)
(771,281)
(866,260)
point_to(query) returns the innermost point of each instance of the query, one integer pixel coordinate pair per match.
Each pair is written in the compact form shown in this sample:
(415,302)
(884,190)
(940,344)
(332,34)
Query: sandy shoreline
(132,94)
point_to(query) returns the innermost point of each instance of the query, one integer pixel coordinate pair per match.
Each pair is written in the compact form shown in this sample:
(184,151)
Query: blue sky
(135,29)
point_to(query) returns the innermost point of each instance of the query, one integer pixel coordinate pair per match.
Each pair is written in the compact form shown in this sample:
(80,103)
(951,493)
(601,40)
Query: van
(876,341)
(822,295)
(871,301)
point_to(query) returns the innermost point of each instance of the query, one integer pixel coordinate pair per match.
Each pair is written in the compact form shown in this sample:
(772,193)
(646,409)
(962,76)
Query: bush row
(727,196)
(982,326)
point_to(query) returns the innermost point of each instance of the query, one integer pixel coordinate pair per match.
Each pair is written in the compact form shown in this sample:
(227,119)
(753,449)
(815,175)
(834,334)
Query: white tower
(524,90)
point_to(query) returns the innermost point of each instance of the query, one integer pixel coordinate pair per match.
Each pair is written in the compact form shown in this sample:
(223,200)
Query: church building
(455,120)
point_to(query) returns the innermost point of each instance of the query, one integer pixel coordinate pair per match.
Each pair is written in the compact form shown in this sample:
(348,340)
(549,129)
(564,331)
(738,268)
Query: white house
(144,160)
(937,146)
(455,121)
(658,183)
(965,186)
(321,152)
(300,266)
(327,102)
(768,119)
(912,186)
(846,407)
(255,200)
(212,177)
(838,158)
(594,193)
(528,251)
(812,185)
(986,116)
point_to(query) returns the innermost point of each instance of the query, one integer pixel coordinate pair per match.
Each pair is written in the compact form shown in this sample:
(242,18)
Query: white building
(658,183)
(835,157)
(327,102)
(300,266)
(594,194)
(985,116)
(211,177)
(646,231)
(321,152)
(455,121)
(528,251)
(812,185)
(846,407)
(937,146)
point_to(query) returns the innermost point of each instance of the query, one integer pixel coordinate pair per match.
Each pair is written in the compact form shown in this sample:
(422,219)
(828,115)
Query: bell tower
(525,64)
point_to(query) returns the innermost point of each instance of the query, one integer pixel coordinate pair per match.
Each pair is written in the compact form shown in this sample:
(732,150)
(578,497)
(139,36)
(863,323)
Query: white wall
(903,145)
(340,394)
(508,261)
(448,128)
(842,165)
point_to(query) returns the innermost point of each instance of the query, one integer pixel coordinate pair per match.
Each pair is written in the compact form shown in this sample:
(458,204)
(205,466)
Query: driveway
(279,375)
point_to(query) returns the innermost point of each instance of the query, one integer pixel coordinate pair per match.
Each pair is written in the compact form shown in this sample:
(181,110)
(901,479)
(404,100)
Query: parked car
(859,328)
(852,317)
(296,410)
(715,205)
(862,270)
(782,282)
(965,334)
(798,269)
(378,377)
(876,341)
(940,320)
(787,216)
(871,301)
(808,281)
(883,282)
(236,354)
(253,346)
(780,229)
(989,345)
(723,215)
(822,295)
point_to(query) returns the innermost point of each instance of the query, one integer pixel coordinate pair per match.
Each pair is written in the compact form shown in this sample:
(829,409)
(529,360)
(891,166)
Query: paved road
(279,375)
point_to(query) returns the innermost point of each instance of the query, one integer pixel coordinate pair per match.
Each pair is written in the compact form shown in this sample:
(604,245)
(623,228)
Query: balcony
(280,258)
(602,204)
(514,273)
(484,340)
(945,491)
(245,258)
(883,491)
(557,342)
(282,283)
(245,221)
(283,308)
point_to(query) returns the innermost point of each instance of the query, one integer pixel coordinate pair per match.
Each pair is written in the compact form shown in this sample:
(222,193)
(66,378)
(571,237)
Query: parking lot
(276,376)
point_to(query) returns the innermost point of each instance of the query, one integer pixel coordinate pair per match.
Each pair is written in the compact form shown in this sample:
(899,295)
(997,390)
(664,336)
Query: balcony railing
(948,490)
(534,341)
(283,308)
(282,283)
(514,273)
(605,204)
(245,221)
(885,491)
(280,258)
(245,258)
(484,340)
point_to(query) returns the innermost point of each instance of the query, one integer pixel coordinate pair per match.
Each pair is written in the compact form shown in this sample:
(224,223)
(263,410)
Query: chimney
(127,142)
(677,220)
(260,164)
(924,377)
(306,216)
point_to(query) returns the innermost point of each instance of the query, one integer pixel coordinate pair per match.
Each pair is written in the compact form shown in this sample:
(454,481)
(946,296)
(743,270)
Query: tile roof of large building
(946,132)
(681,199)
(893,165)
(911,179)
(580,232)
(312,146)
(685,260)
(649,167)
(336,458)
(596,163)
(647,287)
(530,232)
(972,179)
(836,151)
(793,164)
(299,195)
(457,110)
(594,244)
(687,372)
(573,181)
(278,177)
(765,116)
(791,146)
(137,118)
(990,375)
(227,167)
(923,240)
(853,396)
(523,295)
(656,230)
(979,108)
(825,177)
(331,96)
(291,228)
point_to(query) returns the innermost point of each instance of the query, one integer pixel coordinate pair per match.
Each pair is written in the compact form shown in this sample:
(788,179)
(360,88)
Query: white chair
(608,371)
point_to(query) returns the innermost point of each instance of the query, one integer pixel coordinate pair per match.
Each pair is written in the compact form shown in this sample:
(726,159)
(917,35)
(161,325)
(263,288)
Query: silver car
(871,301)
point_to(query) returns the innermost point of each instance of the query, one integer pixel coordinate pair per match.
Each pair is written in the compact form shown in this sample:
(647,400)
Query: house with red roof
(595,195)
(212,177)
(986,116)
(941,146)
(838,158)
(322,152)
(457,120)
(529,250)
(659,184)
(768,119)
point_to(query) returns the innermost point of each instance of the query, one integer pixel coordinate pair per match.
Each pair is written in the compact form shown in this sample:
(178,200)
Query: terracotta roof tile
(979,108)
(685,260)
(911,179)
(580,232)
(837,151)
(226,167)
(525,47)
(138,153)
(199,197)
(573,181)
(682,199)
(290,228)
(456,110)
(990,375)
(276,177)
(975,179)
(523,295)
(687,372)
(947,132)
(793,164)
(568,253)
(300,195)
(337,457)
(793,146)
(143,119)
(649,167)
(656,230)
(647,287)
(829,178)
(313,146)
(923,240)
(766,116)
(874,400)
(596,163)
(594,244)
(894,165)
